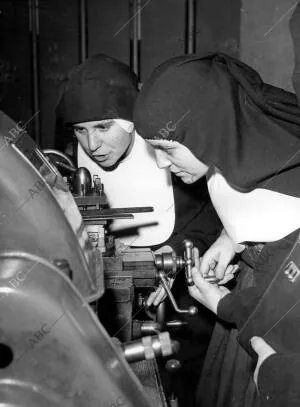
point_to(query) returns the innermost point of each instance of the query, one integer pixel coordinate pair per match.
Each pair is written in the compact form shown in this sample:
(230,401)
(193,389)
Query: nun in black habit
(246,136)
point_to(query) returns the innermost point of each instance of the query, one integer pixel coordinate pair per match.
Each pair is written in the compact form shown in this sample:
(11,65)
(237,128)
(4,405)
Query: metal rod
(190,311)
(161,314)
(135,40)
(60,154)
(106,217)
(112,211)
(83,31)
(190,43)
(34,33)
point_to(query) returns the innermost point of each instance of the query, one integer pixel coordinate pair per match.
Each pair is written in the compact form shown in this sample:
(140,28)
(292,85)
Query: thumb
(199,281)
(222,265)
(260,346)
(206,260)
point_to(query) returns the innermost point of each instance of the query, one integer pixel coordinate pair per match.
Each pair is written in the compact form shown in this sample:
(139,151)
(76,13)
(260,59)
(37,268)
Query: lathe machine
(66,289)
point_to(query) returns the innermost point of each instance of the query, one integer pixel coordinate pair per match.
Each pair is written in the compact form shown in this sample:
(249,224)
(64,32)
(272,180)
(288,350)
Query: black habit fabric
(279,379)
(228,117)
(100,88)
(221,110)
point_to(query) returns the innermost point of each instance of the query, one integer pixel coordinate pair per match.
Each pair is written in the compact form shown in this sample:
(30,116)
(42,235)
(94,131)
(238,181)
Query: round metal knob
(193,310)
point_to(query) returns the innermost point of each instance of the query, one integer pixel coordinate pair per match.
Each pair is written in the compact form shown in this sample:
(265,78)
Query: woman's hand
(218,257)
(206,293)
(263,351)
(159,294)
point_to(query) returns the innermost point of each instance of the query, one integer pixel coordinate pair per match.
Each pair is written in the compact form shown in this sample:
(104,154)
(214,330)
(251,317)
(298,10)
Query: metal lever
(168,264)
(189,262)
(192,310)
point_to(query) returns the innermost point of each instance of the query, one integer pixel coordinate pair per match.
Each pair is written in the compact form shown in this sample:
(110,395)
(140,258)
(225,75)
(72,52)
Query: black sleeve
(279,381)
(195,216)
(238,306)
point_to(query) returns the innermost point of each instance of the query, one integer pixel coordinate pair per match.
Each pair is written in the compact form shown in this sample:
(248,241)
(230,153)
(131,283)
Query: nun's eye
(104,126)
(78,131)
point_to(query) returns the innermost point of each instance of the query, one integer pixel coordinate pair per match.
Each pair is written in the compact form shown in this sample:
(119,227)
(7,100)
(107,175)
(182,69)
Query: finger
(161,292)
(150,299)
(229,269)
(226,279)
(261,347)
(153,296)
(159,300)
(199,281)
(211,273)
(160,297)
(229,274)
(222,265)
(197,259)
(207,259)
(194,292)
(235,268)
(220,270)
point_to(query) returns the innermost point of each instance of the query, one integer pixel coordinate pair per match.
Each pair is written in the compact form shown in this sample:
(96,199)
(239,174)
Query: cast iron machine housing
(53,349)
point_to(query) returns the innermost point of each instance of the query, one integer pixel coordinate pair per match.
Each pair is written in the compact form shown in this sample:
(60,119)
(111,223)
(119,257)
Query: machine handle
(189,263)
(192,310)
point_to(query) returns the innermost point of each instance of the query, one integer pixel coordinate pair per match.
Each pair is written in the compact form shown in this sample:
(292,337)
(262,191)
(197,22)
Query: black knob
(173,366)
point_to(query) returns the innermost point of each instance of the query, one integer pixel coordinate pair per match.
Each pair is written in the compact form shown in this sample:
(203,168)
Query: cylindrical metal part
(82,182)
(173,401)
(98,186)
(189,261)
(83,32)
(173,366)
(150,347)
(176,324)
(169,263)
(144,328)
(34,30)
(50,151)
(135,46)
(190,43)
(161,314)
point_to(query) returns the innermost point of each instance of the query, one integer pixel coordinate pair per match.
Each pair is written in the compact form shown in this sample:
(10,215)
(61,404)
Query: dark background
(242,28)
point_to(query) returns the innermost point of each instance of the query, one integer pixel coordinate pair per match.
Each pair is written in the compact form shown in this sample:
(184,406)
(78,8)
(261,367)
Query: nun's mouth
(101,157)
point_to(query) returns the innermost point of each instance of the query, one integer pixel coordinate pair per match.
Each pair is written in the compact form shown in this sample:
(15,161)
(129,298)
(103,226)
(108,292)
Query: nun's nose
(94,140)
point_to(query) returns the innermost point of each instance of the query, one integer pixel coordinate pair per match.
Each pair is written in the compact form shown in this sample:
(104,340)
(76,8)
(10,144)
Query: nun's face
(179,159)
(104,141)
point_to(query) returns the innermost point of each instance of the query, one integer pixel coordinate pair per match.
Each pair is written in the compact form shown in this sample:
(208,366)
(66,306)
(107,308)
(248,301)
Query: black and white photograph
(149,203)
